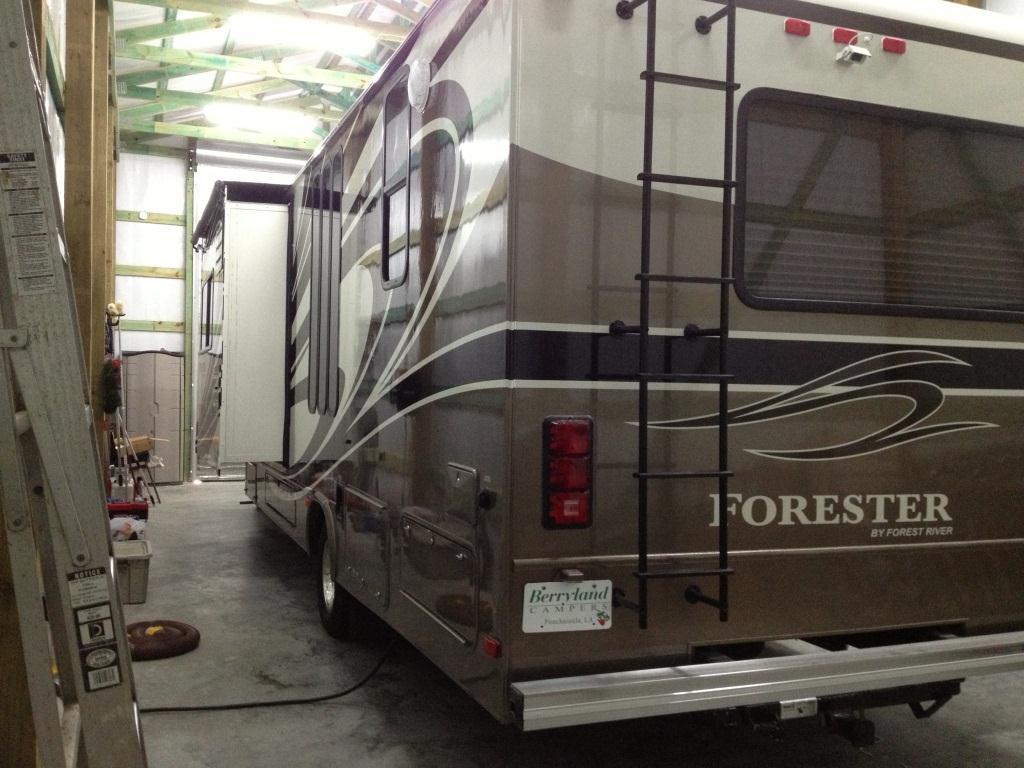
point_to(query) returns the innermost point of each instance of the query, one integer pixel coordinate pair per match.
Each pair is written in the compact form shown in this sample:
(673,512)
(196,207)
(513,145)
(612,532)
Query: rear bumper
(805,672)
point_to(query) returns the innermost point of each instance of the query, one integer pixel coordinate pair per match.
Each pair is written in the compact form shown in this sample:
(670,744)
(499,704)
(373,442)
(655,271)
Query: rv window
(333,303)
(394,246)
(313,377)
(207,313)
(857,208)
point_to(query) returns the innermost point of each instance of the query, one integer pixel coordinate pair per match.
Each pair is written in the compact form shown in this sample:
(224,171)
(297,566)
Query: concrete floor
(222,567)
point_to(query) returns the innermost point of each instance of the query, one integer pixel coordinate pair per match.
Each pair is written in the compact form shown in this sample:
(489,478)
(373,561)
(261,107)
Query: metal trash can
(132,558)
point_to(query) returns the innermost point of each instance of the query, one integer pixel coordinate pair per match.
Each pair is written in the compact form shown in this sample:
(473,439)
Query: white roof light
(262,29)
(261,119)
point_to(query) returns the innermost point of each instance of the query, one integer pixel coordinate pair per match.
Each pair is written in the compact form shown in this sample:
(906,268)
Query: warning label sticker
(24,224)
(97,644)
(88,587)
(100,668)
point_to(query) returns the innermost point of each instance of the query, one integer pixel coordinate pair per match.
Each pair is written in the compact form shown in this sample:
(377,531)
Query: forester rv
(600,451)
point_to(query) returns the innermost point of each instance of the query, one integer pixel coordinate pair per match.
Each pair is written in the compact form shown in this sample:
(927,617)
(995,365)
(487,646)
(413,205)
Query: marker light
(798,27)
(894,45)
(844,35)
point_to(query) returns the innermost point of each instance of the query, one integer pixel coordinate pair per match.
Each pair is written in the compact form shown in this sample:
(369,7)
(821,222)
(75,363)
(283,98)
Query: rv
(644,364)
(240,240)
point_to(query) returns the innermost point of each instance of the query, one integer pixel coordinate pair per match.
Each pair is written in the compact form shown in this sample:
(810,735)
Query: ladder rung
(656,278)
(692,181)
(683,573)
(685,376)
(680,475)
(695,82)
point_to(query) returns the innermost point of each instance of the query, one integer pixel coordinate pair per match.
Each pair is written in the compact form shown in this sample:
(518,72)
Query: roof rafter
(167,29)
(219,134)
(282,70)
(162,101)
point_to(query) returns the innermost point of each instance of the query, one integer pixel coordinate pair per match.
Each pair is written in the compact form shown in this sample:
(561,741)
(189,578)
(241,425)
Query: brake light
(568,437)
(568,471)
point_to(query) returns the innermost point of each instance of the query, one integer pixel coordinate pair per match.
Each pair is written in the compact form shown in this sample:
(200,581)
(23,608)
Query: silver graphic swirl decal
(924,397)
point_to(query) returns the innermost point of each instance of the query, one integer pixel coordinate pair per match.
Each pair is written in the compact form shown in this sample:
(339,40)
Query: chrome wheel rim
(326,578)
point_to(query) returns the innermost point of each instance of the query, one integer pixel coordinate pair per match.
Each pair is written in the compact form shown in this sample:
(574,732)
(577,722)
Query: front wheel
(334,603)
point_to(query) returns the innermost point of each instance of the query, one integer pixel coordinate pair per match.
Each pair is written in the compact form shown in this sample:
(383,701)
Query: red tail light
(568,471)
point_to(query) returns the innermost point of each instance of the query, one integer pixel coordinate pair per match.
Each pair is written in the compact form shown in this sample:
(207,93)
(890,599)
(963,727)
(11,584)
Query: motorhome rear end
(461,424)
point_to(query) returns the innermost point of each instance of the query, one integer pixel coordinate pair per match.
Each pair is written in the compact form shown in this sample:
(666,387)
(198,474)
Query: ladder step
(656,278)
(695,82)
(680,475)
(694,377)
(684,573)
(691,181)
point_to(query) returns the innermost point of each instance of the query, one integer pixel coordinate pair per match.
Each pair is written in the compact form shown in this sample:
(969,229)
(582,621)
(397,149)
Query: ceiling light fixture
(259,119)
(256,29)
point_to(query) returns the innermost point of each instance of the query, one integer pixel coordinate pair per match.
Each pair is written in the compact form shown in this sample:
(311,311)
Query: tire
(333,602)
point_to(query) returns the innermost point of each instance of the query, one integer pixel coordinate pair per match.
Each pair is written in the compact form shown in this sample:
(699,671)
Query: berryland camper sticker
(567,606)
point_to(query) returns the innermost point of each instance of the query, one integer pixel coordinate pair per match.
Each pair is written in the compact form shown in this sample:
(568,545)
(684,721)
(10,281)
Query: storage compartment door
(252,413)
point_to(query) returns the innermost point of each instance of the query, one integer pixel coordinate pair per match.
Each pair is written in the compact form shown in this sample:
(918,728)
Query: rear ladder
(651,76)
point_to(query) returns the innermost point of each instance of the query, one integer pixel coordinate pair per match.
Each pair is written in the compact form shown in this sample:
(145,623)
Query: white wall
(154,185)
(1011,7)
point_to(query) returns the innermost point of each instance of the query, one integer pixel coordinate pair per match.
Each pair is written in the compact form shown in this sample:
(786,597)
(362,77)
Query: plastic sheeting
(148,298)
(150,245)
(151,183)
(144,341)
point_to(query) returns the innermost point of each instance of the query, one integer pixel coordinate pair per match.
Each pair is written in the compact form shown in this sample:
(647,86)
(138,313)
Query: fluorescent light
(257,28)
(244,157)
(260,119)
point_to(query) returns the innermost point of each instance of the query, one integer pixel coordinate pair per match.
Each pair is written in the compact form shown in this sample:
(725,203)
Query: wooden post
(78,144)
(101,214)
(39,22)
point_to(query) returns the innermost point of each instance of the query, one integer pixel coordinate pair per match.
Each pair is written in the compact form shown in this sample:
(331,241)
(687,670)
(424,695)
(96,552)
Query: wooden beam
(39,22)
(168,100)
(390,32)
(54,73)
(188,259)
(111,227)
(133,270)
(100,213)
(400,10)
(151,217)
(167,29)
(221,134)
(178,56)
(78,137)
(142,76)
(156,326)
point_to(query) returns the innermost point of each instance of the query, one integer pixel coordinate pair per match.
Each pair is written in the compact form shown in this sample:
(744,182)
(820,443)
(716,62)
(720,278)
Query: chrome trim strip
(560,702)
(665,558)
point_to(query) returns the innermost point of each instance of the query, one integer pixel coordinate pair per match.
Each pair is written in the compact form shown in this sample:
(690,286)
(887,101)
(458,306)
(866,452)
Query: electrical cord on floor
(281,702)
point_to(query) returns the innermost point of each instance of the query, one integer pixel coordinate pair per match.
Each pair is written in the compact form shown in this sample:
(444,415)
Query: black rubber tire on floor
(161,639)
(336,617)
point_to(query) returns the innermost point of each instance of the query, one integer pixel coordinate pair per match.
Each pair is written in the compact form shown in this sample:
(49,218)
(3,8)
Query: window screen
(854,207)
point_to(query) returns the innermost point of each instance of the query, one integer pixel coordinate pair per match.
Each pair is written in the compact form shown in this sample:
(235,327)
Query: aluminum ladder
(53,502)
(651,77)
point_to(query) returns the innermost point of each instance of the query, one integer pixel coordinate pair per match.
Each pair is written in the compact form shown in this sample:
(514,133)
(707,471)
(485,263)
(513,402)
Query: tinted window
(394,246)
(862,208)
